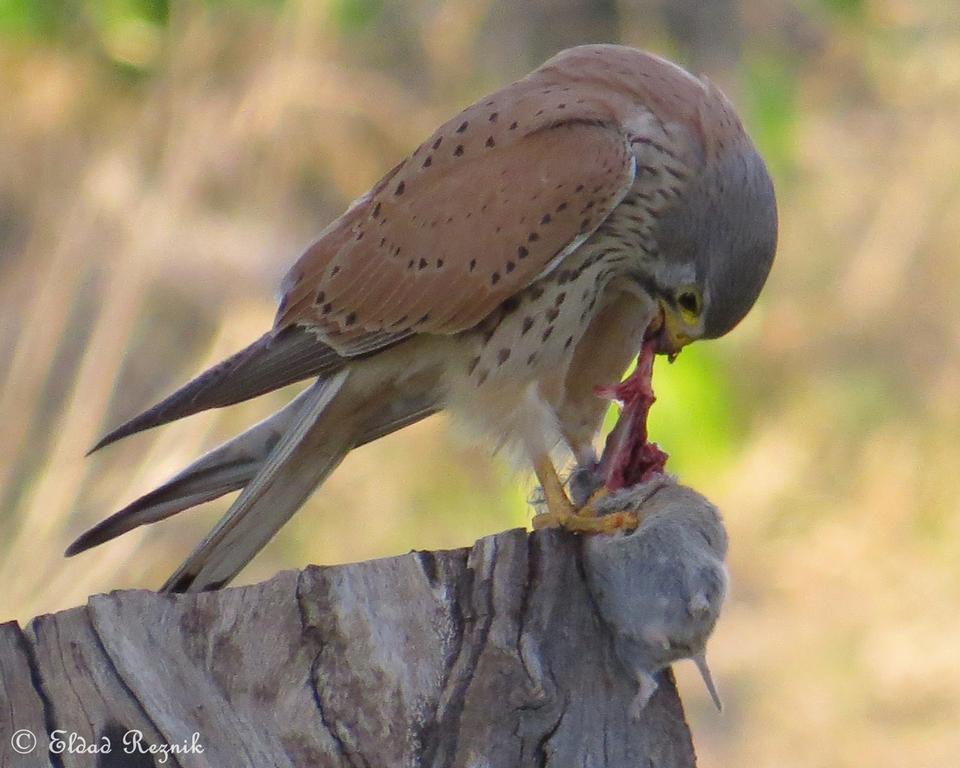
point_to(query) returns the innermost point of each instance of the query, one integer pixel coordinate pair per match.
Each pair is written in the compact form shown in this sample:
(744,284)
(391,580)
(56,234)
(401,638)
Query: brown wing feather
(477,213)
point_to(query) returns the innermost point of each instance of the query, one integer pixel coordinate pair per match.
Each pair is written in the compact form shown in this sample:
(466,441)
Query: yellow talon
(562,514)
(586,522)
(589,509)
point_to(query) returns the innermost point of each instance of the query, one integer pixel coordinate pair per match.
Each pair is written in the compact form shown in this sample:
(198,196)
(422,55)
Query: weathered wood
(492,656)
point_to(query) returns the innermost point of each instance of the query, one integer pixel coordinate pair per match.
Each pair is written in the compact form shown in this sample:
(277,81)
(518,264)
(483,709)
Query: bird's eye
(690,303)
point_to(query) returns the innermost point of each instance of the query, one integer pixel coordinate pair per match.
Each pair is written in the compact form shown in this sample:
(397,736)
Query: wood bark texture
(488,657)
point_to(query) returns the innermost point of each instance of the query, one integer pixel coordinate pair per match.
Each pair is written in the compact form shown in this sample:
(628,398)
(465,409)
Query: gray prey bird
(516,260)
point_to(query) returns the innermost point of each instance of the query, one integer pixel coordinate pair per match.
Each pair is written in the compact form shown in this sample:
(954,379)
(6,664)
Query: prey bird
(506,270)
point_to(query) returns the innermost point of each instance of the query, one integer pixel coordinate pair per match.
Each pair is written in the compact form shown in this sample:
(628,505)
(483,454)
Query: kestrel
(508,267)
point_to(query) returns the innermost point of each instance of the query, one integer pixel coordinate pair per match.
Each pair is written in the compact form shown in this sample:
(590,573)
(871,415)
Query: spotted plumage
(511,264)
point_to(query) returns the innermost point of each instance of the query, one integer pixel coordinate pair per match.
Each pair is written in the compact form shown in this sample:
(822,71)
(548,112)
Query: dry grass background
(160,167)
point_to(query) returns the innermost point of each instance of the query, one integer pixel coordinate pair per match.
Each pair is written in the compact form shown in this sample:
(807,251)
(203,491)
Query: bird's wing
(489,203)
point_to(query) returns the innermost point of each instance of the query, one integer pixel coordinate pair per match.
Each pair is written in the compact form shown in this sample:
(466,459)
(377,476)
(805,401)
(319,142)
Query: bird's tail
(226,468)
(308,452)
(278,463)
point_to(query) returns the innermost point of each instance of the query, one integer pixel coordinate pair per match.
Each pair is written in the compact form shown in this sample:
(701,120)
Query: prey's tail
(700,660)
(278,463)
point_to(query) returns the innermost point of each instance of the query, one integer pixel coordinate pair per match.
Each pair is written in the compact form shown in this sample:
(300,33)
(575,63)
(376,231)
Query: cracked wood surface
(483,657)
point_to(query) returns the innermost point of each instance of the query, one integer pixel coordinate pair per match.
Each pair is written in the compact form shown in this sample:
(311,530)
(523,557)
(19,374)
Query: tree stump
(483,657)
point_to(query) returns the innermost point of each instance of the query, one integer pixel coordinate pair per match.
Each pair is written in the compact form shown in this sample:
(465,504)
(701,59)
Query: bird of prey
(514,262)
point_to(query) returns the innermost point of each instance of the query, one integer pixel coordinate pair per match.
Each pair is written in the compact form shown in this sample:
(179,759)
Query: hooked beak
(668,333)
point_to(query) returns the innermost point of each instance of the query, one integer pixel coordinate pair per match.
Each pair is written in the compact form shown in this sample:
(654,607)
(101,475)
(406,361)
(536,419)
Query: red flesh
(628,458)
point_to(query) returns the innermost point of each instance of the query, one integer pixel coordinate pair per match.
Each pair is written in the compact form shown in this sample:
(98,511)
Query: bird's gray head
(717,238)
(717,243)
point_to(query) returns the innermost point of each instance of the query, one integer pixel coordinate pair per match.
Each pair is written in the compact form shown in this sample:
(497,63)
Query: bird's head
(716,238)
(716,244)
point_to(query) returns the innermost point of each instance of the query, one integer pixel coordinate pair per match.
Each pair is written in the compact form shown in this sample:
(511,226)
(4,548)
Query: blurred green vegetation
(126,32)
(164,162)
(698,402)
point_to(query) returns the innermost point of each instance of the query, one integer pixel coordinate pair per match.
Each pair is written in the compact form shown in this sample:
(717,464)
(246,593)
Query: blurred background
(162,163)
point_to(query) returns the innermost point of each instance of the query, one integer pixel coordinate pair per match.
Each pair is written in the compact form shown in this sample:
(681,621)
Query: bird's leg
(628,457)
(561,511)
